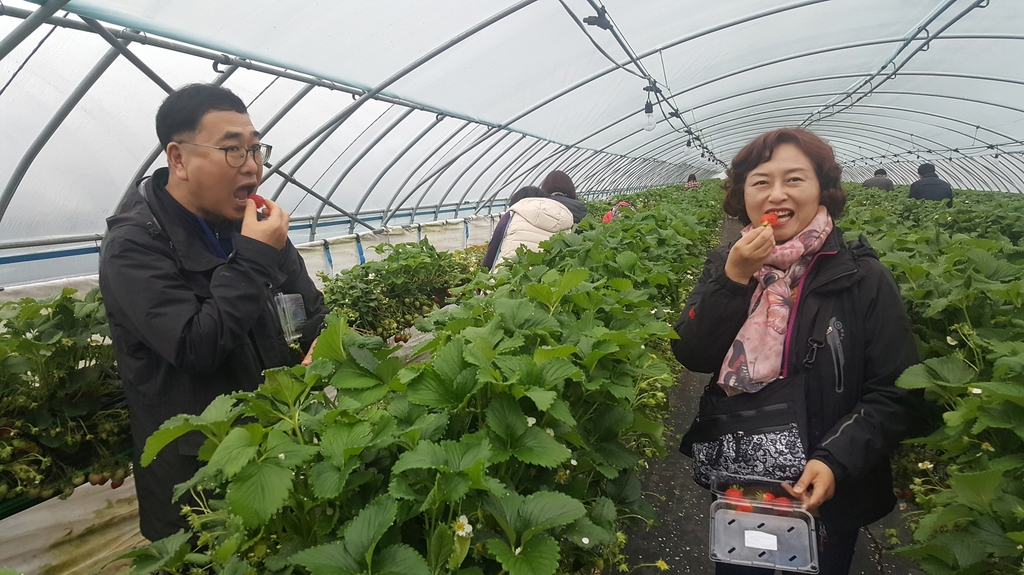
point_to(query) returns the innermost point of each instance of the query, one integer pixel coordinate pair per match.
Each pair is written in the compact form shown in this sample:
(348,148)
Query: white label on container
(760,540)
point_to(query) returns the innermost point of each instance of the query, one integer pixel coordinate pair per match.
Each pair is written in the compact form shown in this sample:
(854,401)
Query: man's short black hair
(925,169)
(183,109)
(880,172)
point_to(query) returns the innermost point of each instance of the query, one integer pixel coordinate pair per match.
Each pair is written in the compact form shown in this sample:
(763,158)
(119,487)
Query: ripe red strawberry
(782,504)
(733,495)
(260,202)
(769,220)
(744,507)
(767,497)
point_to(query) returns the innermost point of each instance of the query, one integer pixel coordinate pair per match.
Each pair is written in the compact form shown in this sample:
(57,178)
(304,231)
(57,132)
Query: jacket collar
(154,209)
(834,269)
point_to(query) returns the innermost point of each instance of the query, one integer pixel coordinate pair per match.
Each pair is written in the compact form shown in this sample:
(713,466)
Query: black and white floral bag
(759,434)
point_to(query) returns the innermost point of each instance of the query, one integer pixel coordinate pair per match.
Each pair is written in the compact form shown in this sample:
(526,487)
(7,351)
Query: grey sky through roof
(396,111)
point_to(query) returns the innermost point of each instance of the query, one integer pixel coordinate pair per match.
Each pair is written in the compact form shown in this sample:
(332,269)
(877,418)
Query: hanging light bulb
(650,124)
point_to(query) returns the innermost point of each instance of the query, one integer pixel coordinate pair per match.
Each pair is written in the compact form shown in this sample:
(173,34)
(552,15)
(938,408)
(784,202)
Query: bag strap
(817,339)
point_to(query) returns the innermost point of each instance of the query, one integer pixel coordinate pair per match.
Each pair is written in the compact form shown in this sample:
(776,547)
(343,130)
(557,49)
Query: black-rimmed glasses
(235,156)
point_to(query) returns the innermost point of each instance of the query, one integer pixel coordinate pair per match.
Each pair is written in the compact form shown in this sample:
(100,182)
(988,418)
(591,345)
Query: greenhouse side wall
(327,255)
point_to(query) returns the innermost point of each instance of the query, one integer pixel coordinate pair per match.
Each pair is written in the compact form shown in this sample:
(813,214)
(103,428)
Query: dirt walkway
(681,536)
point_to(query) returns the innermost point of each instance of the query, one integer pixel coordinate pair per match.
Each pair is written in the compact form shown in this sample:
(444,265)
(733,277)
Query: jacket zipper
(796,307)
(758,431)
(747,413)
(838,360)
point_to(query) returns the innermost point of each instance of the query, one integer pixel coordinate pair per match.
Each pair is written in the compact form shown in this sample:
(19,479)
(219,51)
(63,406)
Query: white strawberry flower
(925,465)
(975,390)
(573,462)
(531,421)
(951,341)
(550,431)
(462,527)
(280,456)
(585,541)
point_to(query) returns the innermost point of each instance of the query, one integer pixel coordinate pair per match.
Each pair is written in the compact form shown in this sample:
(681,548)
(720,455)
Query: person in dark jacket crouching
(930,187)
(752,321)
(191,274)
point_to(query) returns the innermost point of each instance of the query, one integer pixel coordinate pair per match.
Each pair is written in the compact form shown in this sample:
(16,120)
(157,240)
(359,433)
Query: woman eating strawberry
(805,335)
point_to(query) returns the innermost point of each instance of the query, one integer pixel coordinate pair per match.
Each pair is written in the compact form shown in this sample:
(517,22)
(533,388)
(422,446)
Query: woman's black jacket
(856,414)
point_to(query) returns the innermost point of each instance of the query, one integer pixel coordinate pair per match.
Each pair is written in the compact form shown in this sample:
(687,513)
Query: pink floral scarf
(755,358)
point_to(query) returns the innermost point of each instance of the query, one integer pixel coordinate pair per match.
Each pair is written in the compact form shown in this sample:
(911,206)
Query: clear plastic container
(291,311)
(756,531)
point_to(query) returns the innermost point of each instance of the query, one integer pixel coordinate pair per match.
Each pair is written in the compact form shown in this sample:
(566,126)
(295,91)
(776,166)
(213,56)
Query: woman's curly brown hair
(760,150)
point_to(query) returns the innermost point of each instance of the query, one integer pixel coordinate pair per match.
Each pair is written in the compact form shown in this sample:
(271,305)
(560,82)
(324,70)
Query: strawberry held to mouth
(776,217)
(258,200)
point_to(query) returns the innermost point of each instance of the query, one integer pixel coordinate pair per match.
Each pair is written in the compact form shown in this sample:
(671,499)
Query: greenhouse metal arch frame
(435,129)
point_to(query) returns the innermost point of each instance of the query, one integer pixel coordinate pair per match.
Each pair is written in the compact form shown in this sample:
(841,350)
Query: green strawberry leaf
(505,418)
(259,491)
(287,451)
(537,447)
(951,370)
(400,560)
(330,559)
(363,532)
(328,480)
(440,546)
(351,376)
(545,510)
(237,450)
(328,343)
(976,490)
(539,556)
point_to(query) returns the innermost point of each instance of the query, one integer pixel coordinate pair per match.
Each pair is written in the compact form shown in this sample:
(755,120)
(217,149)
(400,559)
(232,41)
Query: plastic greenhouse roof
(399,111)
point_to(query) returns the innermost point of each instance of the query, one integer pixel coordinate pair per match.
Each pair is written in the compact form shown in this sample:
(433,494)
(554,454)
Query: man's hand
(816,486)
(309,356)
(749,254)
(272,231)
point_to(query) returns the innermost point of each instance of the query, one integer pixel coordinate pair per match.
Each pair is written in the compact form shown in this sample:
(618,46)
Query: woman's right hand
(749,254)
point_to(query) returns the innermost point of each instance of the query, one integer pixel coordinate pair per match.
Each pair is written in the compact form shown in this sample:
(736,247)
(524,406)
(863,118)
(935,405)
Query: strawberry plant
(961,272)
(62,412)
(385,297)
(514,447)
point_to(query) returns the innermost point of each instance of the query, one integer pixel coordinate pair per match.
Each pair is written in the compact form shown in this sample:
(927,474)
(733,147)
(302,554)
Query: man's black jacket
(931,187)
(188,326)
(857,416)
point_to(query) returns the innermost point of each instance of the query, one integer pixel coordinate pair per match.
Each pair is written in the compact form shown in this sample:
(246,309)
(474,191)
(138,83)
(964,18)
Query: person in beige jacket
(533,217)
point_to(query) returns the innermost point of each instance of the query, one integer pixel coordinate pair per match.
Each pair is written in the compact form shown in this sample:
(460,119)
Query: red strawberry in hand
(259,201)
(769,220)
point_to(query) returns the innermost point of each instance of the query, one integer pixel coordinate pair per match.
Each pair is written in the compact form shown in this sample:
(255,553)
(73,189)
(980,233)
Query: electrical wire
(594,42)
(694,138)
